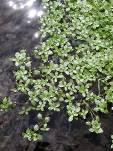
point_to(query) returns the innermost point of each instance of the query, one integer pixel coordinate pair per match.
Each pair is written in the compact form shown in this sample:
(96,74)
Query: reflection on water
(29,5)
(36,35)
(21,4)
(19,24)
(33,13)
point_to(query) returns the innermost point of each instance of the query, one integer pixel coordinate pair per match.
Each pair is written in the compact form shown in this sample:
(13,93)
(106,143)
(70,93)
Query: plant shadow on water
(19,32)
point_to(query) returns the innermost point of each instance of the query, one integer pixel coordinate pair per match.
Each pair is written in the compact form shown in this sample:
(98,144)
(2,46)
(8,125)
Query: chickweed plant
(5,104)
(75,72)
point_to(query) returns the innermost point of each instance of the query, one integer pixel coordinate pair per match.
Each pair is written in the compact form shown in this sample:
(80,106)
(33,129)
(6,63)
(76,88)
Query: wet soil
(15,34)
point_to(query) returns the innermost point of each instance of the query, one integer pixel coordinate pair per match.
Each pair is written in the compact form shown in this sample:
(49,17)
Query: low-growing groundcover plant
(75,72)
(6,104)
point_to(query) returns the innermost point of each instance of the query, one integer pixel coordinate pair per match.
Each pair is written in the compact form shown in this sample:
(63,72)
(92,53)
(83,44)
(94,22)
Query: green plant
(112,141)
(5,104)
(38,129)
(76,55)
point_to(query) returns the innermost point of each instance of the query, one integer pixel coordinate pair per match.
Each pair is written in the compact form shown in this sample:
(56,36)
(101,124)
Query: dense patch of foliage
(75,72)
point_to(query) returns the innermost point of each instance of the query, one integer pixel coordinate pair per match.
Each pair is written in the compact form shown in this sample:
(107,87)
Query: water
(19,25)
(20,29)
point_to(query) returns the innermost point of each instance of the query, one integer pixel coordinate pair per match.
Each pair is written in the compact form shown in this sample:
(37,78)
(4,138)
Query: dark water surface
(19,29)
(19,25)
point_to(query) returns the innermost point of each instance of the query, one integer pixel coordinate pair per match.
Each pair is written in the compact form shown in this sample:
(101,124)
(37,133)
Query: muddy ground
(15,34)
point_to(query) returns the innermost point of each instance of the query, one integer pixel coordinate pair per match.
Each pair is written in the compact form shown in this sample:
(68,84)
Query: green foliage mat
(76,64)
